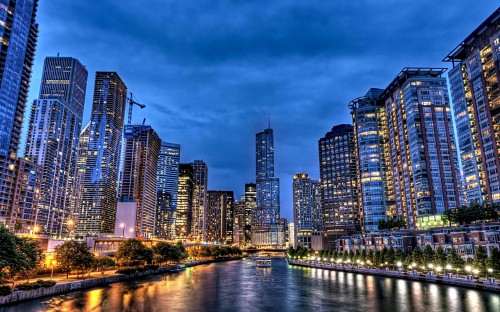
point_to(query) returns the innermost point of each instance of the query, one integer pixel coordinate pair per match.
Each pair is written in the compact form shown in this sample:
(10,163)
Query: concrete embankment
(490,285)
(25,295)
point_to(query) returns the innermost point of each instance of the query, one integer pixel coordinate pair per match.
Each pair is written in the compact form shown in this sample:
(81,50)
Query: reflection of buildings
(168,177)
(475,91)
(99,156)
(338,182)
(53,136)
(184,213)
(306,209)
(265,228)
(220,216)
(138,180)
(19,31)
(198,224)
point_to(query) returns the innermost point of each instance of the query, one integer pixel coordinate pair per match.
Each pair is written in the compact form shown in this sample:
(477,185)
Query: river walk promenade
(93,279)
(465,281)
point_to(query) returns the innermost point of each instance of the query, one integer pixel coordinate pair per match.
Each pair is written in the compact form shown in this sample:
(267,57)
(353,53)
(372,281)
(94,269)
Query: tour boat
(263,263)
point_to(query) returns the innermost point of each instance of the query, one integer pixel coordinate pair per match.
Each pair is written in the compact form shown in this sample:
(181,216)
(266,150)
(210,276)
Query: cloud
(210,71)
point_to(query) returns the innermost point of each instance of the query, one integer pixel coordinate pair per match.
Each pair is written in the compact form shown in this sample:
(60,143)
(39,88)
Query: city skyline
(320,69)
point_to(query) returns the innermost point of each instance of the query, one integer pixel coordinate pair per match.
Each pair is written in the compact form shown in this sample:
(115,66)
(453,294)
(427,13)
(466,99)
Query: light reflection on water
(239,286)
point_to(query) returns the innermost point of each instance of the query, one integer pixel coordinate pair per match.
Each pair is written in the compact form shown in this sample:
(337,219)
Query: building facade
(184,213)
(339,189)
(306,209)
(198,225)
(139,176)
(53,137)
(220,211)
(100,151)
(376,198)
(167,186)
(19,31)
(265,229)
(422,148)
(474,84)
(250,198)
(28,182)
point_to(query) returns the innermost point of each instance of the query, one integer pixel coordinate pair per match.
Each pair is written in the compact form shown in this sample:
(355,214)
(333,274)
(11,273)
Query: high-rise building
(139,176)
(220,210)
(250,198)
(376,198)
(167,186)
(422,148)
(239,222)
(26,195)
(100,151)
(184,213)
(337,168)
(19,32)
(198,225)
(265,230)
(475,93)
(306,209)
(53,136)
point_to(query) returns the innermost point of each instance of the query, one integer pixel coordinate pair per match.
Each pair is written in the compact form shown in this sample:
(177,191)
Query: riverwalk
(466,281)
(73,283)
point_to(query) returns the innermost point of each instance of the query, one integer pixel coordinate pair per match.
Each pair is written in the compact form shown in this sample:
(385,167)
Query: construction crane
(131,102)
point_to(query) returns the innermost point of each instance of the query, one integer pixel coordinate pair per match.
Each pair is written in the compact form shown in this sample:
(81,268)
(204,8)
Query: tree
(440,257)
(416,256)
(390,256)
(104,263)
(399,255)
(7,250)
(133,252)
(456,262)
(27,258)
(427,256)
(73,255)
(480,259)
(493,261)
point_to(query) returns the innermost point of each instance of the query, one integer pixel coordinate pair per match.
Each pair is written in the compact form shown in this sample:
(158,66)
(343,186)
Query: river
(240,286)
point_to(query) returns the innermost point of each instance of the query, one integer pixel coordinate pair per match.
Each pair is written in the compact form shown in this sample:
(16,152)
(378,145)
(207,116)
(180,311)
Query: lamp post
(122,225)
(488,271)
(131,230)
(52,262)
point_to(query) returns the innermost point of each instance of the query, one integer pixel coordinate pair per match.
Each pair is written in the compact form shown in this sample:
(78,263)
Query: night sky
(211,71)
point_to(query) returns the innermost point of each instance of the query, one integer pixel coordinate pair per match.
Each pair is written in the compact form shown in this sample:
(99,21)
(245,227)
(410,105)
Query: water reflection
(240,286)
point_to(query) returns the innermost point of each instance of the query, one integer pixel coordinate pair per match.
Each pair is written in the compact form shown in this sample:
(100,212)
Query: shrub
(5,290)
(27,286)
(153,267)
(126,271)
(47,283)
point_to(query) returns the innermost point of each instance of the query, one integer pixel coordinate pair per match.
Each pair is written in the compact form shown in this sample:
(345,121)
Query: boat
(263,263)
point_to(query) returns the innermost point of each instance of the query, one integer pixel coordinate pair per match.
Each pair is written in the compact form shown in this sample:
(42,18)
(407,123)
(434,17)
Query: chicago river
(240,286)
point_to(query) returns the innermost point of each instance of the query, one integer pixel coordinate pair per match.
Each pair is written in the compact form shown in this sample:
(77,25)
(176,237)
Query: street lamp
(122,225)
(131,230)
(489,270)
(468,269)
(53,262)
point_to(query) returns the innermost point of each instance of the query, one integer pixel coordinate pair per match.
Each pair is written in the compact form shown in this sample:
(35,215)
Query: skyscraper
(198,225)
(168,177)
(337,168)
(422,147)
(474,85)
(139,177)
(19,31)
(376,197)
(265,230)
(220,206)
(53,136)
(100,151)
(306,209)
(26,195)
(184,213)
(250,198)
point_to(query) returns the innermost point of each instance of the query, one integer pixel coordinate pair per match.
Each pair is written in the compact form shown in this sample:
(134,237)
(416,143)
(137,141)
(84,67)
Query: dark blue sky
(210,71)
